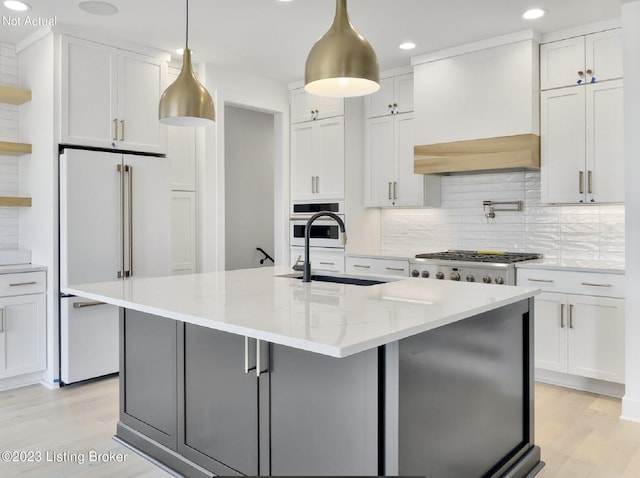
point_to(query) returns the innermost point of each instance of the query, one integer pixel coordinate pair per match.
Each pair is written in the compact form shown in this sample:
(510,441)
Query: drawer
(321,260)
(573,282)
(370,265)
(23,283)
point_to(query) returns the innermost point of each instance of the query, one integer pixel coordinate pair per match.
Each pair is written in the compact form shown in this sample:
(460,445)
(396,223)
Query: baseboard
(630,409)
(584,384)
(18,381)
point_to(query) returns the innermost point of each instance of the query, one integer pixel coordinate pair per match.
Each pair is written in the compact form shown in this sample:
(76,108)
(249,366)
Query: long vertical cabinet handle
(571,316)
(1,320)
(115,129)
(590,182)
(562,316)
(317,184)
(390,194)
(259,359)
(395,190)
(313,184)
(581,182)
(130,171)
(122,214)
(247,367)
(121,130)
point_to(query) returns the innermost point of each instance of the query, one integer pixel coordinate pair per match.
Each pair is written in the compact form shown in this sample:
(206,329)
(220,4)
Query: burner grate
(475,256)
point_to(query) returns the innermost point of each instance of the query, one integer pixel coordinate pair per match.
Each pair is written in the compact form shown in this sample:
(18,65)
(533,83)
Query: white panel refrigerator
(115,223)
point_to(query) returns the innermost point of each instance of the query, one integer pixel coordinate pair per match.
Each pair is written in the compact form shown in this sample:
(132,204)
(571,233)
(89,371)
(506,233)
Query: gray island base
(454,401)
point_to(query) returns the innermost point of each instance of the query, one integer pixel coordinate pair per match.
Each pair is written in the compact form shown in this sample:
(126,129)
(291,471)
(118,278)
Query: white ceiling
(272,38)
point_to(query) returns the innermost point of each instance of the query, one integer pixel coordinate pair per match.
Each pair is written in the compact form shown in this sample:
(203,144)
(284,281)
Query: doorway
(249,187)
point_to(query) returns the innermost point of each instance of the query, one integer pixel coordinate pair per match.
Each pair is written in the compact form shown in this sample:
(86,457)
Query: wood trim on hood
(520,152)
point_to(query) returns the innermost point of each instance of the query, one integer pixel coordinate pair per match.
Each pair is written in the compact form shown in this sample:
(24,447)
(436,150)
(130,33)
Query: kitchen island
(248,372)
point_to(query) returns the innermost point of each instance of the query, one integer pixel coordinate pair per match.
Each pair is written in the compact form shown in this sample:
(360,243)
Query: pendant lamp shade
(342,63)
(186,102)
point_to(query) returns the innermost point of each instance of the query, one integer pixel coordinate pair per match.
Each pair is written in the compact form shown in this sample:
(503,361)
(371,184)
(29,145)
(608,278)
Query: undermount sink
(338,279)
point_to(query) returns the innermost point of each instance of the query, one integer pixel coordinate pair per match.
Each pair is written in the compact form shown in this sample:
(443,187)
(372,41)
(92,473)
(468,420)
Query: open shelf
(14,148)
(8,201)
(14,96)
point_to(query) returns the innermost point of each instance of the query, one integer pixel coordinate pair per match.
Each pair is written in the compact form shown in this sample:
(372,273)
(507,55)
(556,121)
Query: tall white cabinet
(317,149)
(582,143)
(110,96)
(389,179)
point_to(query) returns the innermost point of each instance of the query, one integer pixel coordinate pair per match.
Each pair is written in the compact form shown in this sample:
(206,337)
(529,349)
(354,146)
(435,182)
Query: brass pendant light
(186,102)
(342,63)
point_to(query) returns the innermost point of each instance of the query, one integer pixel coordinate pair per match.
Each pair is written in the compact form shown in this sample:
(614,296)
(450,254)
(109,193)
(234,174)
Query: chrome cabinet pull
(395,190)
(327,263)
(571,316)
(317,184)
(246,355)
(589,182)
(361,266)
(398,269)
(115,129)
(130,171)
(17,284)
(2,320)
(121,130)
(82,305)
(121,272)
(540,280)
(581,182)
(390,194)
(593,284)
(259,361)
(562,316)
(313,184)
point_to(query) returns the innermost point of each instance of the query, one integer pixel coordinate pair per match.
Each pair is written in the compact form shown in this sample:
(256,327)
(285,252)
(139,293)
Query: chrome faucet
(306,275)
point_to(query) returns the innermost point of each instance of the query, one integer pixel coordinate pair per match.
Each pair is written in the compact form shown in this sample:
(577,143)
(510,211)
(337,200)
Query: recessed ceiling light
(15,5)
(533,13)
(407,46)
(98,8)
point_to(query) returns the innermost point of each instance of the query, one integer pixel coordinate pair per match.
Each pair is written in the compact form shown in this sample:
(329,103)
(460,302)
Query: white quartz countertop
(327,318)
(574,265)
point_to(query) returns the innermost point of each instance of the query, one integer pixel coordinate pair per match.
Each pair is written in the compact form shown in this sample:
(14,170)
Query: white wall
(248,187)
(631,48)
(592,232)
(39,177)
(262,95)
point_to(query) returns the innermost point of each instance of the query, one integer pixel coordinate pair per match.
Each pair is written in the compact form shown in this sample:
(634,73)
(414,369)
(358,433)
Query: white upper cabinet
(395,96)
(109,97)
(490,91)
(307,107)
(581,60)
(317,159)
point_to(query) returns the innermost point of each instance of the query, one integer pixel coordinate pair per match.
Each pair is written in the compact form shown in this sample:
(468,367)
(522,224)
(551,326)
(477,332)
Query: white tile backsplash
(9,131)
(581,232)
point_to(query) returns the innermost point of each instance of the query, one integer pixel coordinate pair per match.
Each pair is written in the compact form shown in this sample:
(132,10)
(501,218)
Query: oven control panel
(471,273)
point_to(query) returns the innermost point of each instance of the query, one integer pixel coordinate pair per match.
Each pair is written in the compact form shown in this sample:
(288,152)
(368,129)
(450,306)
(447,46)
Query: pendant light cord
(186,42)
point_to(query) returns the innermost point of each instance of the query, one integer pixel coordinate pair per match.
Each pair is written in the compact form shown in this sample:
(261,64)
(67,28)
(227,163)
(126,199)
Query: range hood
(519,152)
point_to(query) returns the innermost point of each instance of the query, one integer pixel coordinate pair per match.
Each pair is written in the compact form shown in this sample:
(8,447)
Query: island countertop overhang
(331,319)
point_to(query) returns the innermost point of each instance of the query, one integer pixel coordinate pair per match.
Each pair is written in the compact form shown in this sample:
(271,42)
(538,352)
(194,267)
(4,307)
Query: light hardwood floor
(580,434)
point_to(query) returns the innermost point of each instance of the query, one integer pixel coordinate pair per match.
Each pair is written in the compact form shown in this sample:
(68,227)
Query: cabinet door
(381,102)
(560,63)
(605,141)
(303,153)
(550,332)
(220,403)
(379,161)
(596,337)
(23,335)
(303,106)
(149,216)
(329,163)
(404,93)
(141,81)
(88,105)
(409,188)
(183,232)
(603,53)
(562,143)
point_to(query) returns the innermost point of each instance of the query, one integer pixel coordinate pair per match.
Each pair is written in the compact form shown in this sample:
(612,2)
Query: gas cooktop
(480,256)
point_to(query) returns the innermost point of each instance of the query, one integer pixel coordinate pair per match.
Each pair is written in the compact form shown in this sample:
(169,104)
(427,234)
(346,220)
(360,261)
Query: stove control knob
(486,279)
(471,278)
(415,273)
(455,276)
(425,274)
(439,275)
(499,280)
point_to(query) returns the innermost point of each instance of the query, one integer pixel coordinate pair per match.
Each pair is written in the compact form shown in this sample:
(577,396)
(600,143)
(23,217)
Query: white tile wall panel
(559,232)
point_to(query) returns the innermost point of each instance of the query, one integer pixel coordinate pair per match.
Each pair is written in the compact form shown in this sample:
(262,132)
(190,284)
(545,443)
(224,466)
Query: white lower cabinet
(581,333)
(23,323)
(377,266)
(322,260)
